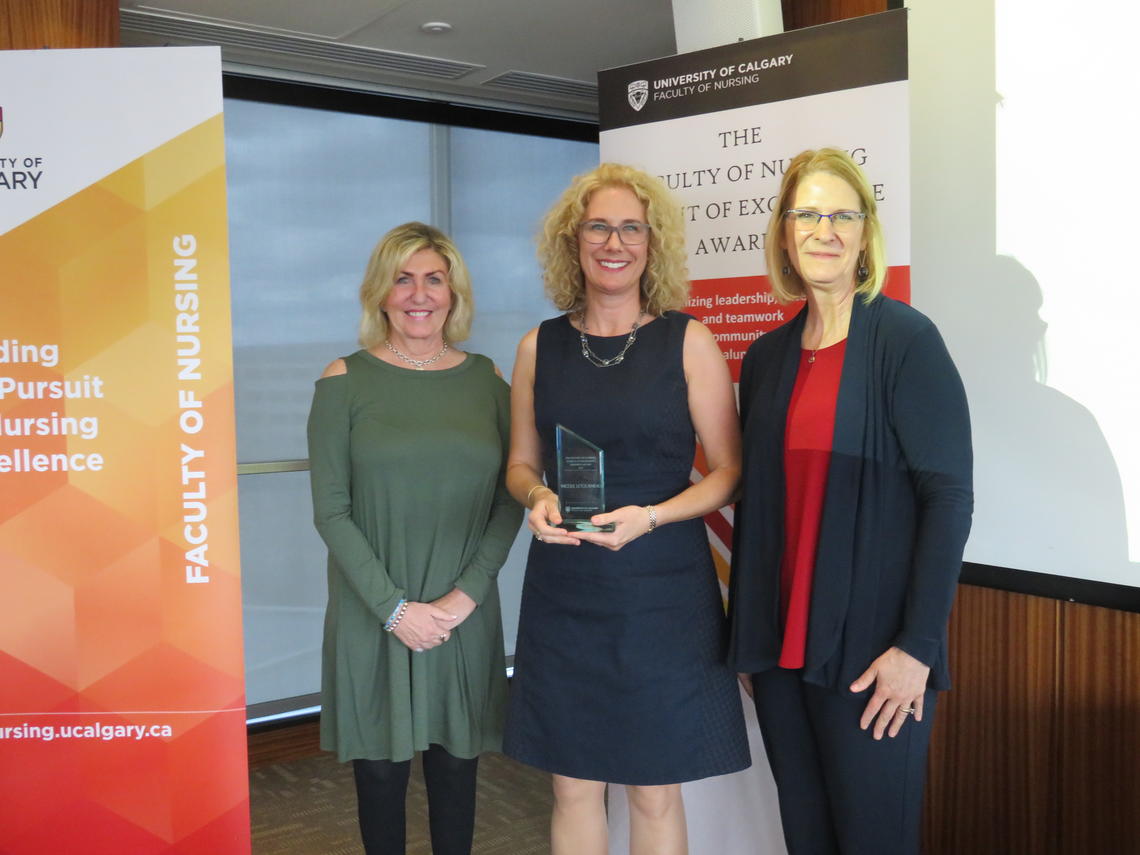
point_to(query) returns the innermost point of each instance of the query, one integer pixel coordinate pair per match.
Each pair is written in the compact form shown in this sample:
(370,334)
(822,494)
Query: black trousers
(381,790)
(841,791)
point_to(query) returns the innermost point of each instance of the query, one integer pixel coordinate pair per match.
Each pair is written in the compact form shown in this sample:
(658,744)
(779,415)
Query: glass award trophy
(581,481)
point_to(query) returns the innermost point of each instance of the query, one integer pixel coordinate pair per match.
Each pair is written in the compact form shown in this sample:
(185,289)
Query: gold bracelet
(530,493)
(652,511)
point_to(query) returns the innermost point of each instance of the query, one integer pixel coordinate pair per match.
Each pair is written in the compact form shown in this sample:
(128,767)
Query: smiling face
(613,267)
(420,298)
(825,259)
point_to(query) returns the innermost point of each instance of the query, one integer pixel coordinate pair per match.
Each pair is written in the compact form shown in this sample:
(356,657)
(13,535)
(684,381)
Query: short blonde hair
(789,286)
(665,282)
(389,257)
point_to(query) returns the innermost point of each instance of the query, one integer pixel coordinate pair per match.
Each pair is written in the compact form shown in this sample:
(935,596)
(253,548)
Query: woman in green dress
(408,440)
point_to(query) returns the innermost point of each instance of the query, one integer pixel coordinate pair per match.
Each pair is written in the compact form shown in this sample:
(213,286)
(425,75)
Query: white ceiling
(531,55)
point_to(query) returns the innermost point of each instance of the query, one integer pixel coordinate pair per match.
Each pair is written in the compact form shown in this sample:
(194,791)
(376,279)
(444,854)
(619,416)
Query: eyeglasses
(598,232)
(808,221)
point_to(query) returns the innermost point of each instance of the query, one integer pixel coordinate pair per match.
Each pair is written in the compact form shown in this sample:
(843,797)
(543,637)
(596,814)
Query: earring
(787,268)
(862,273)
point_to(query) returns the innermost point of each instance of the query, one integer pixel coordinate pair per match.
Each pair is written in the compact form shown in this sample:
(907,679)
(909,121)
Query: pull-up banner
(121,687)
(719,127)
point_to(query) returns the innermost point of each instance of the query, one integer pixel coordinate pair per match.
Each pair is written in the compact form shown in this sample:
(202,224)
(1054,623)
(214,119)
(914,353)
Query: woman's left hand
(457,604)
(630,523)
(900,683)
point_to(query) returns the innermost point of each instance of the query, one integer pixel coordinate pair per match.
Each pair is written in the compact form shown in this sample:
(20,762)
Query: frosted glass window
(283,586)
(501,186)
(310,193)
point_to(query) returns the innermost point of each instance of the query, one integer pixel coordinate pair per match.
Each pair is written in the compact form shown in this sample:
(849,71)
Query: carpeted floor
(307,806)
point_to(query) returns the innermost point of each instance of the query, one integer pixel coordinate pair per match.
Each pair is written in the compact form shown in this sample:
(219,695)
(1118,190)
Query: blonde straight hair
(788,287)
(389,257)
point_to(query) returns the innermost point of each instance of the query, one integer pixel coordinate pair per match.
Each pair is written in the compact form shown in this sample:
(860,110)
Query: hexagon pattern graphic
(121,684)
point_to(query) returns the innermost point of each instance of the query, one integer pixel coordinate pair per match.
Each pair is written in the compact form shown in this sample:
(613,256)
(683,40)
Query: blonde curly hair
(665,282)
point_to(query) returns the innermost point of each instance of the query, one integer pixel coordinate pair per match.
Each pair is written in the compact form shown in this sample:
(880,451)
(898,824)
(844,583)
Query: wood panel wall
(35,24)
(808,13)
(989,775)
(1037,747)
(1098,749)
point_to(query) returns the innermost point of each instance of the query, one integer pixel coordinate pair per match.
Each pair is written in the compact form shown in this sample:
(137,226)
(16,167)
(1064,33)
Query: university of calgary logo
(638,93)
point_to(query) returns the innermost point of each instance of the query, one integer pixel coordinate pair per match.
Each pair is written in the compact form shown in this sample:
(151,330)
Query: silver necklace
(592,357)
(419,364)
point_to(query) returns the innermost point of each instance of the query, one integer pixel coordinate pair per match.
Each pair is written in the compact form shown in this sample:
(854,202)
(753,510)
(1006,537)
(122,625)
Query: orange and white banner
(122,715)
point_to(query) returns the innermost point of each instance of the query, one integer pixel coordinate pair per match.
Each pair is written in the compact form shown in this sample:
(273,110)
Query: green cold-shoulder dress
(407,473)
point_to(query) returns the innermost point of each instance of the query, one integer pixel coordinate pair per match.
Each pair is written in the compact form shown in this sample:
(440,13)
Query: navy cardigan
(896,510)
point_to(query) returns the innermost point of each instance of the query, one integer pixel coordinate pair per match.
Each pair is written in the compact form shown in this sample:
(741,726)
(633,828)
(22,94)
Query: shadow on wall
(1044,471)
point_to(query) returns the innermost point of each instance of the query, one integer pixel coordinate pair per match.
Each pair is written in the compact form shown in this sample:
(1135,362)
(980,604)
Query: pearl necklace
(592,357)
(419,364)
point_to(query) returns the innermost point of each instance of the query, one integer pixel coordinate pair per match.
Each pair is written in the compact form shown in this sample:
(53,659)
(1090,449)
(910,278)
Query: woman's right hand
(524,462)
(419,628)
(545,517)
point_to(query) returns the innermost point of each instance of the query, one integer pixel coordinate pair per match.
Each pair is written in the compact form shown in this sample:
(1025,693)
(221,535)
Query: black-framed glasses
(806,221)
(631,233)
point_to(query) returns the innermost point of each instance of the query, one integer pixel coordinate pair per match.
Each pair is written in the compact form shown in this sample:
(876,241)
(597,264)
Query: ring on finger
(906,710)
(538,537)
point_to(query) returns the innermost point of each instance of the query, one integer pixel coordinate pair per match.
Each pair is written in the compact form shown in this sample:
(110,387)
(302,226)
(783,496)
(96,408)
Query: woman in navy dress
(619,667)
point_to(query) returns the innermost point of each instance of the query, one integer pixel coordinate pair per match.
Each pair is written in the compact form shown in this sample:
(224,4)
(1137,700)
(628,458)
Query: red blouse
(807,455)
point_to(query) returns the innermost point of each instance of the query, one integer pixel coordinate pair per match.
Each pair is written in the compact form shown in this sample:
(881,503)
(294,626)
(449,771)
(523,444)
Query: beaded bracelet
(396,616)
(652,511)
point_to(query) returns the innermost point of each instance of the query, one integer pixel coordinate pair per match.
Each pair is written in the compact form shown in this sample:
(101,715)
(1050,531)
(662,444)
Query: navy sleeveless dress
(619,665)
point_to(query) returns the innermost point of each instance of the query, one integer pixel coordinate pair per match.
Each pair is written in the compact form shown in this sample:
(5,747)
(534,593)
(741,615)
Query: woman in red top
(855,509)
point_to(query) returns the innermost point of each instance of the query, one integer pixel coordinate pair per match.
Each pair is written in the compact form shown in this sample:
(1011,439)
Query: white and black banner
(719,127)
